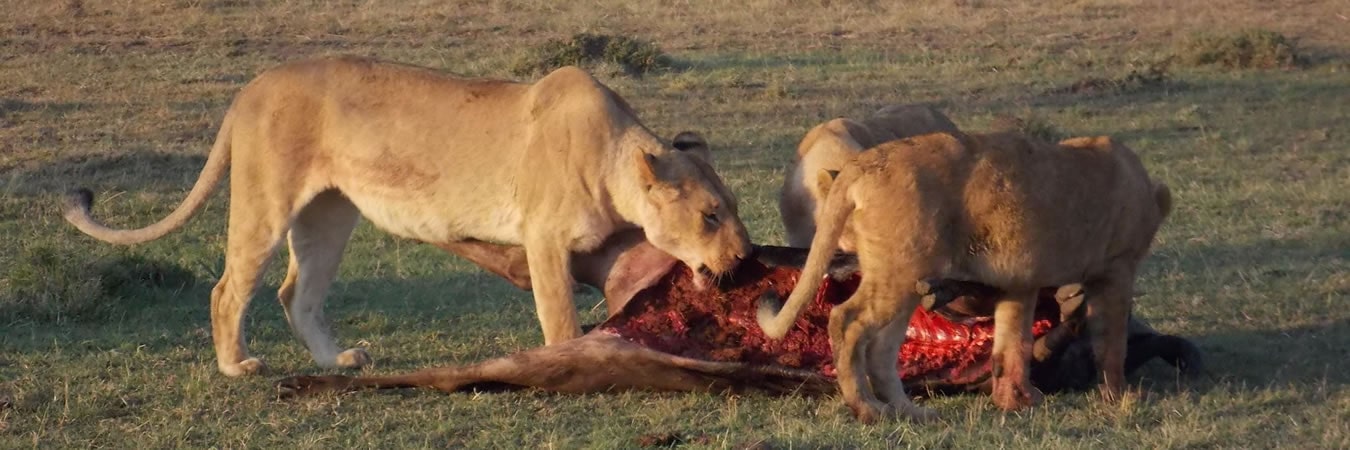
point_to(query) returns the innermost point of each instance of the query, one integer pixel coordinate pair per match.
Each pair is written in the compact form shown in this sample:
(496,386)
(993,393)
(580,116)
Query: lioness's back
(1019,208)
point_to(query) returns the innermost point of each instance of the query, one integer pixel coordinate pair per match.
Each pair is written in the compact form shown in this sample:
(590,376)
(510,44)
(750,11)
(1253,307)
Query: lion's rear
(1042,215)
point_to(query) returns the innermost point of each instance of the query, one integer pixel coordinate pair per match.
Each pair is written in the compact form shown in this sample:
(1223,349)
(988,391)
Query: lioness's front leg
(551,275)
(1013,316)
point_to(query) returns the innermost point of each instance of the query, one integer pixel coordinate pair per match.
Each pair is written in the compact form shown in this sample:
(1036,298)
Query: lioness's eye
(710,219)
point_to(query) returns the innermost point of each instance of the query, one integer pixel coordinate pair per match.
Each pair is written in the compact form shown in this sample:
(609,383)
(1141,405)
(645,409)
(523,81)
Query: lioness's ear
(646,167)
(689,141)
(824,180)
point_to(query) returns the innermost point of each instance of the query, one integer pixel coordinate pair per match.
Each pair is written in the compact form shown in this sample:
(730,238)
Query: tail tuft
(1163,196)
(770,305)
(78,201)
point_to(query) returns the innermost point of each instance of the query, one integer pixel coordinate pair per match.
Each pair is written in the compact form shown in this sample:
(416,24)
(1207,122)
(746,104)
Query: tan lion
(830,145)
(556,166)
(998,209)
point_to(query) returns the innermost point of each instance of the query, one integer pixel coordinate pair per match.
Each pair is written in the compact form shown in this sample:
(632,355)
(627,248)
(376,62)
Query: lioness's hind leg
(253,238)
(850,332)
(883,354)
(318,236)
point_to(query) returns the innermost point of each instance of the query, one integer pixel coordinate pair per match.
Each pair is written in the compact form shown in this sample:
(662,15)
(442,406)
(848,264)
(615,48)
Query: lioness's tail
(1163,196)
(79,201)
(838,207)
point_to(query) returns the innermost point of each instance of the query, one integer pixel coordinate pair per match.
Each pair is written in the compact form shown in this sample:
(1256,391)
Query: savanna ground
(110,346)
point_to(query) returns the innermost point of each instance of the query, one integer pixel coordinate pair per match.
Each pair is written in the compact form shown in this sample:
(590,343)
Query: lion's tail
(79,201)
(838,206)
(1162,195)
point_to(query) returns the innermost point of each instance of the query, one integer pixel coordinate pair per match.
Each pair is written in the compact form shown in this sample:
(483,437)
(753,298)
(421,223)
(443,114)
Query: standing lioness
(1000,209)
(830,145)
(556,166)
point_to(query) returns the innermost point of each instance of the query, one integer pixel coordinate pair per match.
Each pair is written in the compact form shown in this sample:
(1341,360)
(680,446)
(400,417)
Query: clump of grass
(47,284)
(1029,125)
(1140,77)
(126,276)
(1245,49)
(634,56)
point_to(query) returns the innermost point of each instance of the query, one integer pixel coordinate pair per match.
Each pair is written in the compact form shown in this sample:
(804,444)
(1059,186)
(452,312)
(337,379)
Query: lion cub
(831,144)
(999,209)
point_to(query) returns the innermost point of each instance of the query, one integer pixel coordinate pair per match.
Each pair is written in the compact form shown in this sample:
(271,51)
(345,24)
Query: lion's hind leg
(848,338)
(255,230)
(866,332)
(318,236)
(882,361)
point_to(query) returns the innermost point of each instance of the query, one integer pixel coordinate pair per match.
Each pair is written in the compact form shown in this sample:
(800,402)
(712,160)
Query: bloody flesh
(674,317)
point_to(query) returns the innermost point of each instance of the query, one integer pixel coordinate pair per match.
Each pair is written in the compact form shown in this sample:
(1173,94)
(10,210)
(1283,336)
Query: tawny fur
(556,166)
(1000,209)
(830,145)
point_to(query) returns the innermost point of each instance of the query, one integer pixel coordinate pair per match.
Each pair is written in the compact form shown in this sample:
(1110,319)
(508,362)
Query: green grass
(110,346)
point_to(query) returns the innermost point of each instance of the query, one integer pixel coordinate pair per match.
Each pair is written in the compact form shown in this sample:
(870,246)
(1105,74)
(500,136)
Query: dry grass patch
(633,56)
(1140,77)
(1031,124)
(1244,49)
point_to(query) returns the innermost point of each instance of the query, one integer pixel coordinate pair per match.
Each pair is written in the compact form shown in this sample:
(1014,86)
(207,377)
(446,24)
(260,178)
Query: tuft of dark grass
(1140,77)
(634,56)
(1030,125)
(52,285)
(46,284)
(126,275)
(1244,49)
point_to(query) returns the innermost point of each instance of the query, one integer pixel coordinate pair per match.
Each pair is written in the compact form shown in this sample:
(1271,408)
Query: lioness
(999,209)
(556,166)
(830,145)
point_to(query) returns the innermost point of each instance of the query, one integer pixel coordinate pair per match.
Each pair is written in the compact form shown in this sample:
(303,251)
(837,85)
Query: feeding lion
(830,145)
(999,209)
(556,166)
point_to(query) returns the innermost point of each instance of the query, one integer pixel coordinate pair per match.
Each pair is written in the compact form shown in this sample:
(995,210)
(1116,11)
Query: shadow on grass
(1245,292)
(132,171)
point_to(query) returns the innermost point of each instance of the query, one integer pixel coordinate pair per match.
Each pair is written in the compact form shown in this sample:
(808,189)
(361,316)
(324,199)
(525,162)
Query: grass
(1252,48)
(99,343)
(631,55)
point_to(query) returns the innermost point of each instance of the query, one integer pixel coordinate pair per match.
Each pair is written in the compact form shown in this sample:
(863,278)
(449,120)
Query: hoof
(246,367)
(354,358)
(300,386)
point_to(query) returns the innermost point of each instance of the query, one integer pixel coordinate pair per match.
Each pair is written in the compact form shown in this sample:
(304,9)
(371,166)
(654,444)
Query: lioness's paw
(246,367)
(867,412)
(354,358)
(1012,396)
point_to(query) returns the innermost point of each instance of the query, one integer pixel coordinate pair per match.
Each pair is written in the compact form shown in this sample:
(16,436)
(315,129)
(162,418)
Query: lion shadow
(129,171)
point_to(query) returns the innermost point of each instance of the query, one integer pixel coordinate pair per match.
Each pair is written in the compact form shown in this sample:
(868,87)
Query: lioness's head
(687,211)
